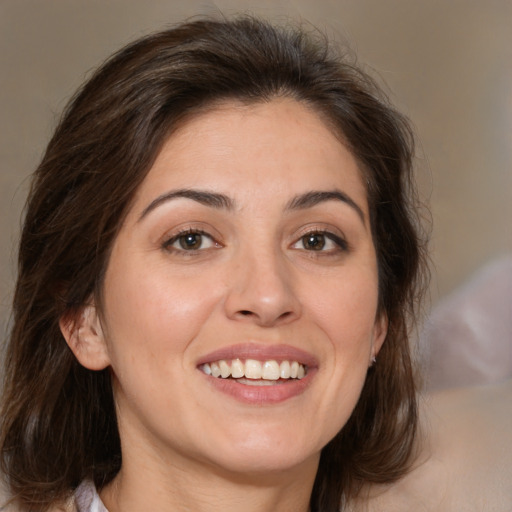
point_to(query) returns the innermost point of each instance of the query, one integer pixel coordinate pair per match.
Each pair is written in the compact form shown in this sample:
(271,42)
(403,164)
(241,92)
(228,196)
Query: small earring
(374,360)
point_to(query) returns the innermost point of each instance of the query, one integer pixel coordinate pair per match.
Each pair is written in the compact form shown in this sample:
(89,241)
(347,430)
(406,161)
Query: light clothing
(84,499)
(87,499)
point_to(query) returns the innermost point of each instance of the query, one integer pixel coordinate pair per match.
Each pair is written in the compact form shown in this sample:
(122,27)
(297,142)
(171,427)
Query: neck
(208,489)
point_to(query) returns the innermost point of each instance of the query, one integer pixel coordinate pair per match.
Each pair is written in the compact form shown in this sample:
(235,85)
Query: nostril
(245,312)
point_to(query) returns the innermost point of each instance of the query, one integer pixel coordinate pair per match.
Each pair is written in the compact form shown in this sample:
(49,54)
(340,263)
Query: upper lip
(260,352)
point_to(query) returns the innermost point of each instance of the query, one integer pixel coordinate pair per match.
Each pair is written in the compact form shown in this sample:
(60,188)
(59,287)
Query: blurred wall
(448,65)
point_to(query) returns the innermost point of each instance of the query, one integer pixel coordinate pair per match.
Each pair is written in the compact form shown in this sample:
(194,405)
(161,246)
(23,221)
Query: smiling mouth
(255,373)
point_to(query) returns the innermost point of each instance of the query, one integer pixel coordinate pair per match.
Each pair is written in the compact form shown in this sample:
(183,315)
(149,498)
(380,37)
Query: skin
(253,279)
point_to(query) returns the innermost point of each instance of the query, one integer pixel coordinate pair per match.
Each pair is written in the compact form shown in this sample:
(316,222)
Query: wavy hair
(58,421)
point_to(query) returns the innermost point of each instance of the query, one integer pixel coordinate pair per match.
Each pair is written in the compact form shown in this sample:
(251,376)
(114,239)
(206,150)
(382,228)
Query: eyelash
(340,243)
(168,243)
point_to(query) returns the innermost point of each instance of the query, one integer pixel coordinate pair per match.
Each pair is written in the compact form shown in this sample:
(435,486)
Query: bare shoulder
(465,456)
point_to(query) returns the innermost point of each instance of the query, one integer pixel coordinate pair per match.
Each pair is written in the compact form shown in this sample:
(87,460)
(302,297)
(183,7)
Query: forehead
(264,148)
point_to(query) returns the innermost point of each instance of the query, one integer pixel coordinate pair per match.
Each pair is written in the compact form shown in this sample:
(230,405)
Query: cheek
(347,309)
(149,314)
(346,314)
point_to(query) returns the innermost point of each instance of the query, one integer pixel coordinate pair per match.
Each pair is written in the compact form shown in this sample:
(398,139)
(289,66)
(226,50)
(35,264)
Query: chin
(263,452)
(268,462)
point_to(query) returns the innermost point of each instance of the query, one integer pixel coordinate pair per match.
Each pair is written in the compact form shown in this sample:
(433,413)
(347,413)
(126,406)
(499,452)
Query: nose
(262,290)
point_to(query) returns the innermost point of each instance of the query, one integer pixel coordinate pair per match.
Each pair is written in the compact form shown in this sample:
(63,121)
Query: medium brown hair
(58,422)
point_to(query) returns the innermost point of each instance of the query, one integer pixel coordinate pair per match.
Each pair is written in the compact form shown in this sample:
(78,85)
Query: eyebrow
(310,199)
(212,199)
(221,201)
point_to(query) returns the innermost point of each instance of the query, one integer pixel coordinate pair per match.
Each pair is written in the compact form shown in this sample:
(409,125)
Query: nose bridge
(261,286)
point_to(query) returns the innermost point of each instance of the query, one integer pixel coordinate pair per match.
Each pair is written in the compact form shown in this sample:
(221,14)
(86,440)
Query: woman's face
(248,252)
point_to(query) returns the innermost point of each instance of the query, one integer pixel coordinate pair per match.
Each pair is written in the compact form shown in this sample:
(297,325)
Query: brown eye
(190,241)
(313,241)
(320,241)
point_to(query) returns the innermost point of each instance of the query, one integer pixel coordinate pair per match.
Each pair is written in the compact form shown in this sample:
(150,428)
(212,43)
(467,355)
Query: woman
(217,270)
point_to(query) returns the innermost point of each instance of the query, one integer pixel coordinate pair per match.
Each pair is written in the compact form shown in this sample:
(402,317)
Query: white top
(87,498)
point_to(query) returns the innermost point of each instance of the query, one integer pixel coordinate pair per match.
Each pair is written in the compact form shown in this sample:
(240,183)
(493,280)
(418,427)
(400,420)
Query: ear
(380,331)
(84,336)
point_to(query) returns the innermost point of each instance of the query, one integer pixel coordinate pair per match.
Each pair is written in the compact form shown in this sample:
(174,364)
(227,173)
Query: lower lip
(262,395)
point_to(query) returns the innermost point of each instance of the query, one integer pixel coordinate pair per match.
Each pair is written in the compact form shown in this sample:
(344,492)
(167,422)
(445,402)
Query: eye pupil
(314,241)
(190,241)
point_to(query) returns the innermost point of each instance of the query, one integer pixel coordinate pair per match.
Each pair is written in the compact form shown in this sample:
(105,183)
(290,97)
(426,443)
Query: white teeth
(255,370)
(270,370)
(225,370)
(284,369)
(237,369)
(215,369)
(257,382)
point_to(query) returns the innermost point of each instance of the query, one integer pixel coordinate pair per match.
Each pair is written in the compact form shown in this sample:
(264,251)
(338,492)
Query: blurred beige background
(448,66)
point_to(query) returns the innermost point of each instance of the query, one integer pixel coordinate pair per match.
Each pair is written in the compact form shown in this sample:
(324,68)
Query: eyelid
(172,236)
(333,234)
